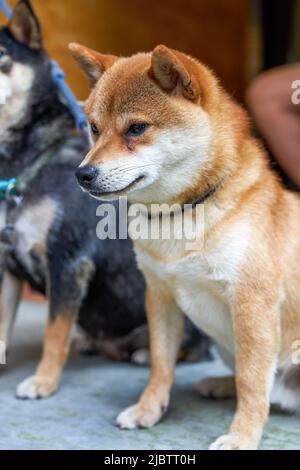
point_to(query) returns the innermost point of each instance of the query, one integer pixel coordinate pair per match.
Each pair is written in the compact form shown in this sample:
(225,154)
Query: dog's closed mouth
(119,191)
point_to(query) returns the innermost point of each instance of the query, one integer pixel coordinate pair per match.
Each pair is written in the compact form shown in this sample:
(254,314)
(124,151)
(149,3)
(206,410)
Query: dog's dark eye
(137,129)
(94,129)
(2,53)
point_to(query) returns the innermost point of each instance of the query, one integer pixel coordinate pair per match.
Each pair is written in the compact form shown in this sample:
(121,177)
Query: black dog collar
(209,192)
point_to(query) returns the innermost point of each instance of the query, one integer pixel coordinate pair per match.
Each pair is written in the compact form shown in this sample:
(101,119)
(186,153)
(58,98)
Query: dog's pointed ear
(91,62)
(24,25)
(173,71)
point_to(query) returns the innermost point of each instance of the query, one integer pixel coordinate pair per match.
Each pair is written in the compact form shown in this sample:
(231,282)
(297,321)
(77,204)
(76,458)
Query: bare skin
(277,117)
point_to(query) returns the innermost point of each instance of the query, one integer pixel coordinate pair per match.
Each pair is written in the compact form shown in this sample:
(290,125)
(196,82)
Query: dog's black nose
(86,176)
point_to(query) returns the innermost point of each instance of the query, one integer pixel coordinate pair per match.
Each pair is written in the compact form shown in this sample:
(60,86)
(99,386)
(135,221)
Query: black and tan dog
(57,251)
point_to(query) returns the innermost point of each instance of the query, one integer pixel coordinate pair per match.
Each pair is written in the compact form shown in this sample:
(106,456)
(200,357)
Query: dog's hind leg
(286,390)
(217,387)
(256,345)
(9,300)
(66,292)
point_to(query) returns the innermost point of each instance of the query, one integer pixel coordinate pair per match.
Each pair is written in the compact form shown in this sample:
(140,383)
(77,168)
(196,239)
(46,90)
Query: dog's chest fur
(202,282)
(32,225)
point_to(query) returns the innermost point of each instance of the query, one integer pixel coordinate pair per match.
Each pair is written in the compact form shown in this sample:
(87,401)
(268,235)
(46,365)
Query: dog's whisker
(126,169)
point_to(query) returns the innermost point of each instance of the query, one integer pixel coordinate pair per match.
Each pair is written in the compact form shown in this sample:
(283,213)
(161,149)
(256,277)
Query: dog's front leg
(66,290)
(55,352)
(11,291)
(256,319)
(165,321)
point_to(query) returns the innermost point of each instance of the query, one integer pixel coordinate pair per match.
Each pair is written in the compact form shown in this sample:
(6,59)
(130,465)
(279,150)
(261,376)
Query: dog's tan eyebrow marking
(94,117)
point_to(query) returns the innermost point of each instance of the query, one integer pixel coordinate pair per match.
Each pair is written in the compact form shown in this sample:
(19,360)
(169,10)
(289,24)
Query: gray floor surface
(93,391)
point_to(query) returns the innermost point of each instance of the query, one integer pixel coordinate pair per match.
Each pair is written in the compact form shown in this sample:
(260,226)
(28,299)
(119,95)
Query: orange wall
(212,30)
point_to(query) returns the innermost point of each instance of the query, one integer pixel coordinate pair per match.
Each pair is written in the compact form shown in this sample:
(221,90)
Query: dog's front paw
(139,416)
(36,387)
(233,442)
(141,357)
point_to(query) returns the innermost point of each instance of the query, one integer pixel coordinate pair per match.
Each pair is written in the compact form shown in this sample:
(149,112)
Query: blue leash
(72,103)
(75,109)
(5,8)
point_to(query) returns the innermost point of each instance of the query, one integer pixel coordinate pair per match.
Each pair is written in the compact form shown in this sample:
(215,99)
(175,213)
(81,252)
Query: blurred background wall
(211,30)
(236,38)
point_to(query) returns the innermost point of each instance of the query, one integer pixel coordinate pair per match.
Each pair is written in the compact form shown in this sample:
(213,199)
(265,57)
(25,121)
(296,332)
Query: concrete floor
(81,414)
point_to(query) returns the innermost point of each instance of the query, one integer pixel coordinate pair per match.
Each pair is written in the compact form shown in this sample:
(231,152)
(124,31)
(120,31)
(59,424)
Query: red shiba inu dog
(165,132)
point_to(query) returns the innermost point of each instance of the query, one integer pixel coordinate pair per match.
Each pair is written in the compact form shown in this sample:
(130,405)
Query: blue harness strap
(4,185)
(7,188)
